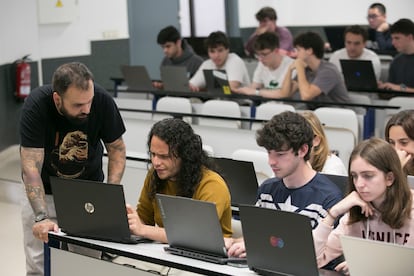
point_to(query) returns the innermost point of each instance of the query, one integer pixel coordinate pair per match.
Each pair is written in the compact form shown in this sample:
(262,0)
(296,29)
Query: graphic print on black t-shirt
(70,157)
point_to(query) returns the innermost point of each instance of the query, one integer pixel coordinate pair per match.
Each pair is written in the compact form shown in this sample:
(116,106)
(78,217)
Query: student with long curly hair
(179,166)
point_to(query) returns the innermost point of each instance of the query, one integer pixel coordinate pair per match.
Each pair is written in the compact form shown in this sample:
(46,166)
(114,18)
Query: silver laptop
(137,78)
(193,229)
(175,78)
(368,257)
(241,179)
(279,242)
(92,209)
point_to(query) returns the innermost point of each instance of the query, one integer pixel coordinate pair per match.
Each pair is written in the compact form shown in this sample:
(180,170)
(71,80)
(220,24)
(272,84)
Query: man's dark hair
(287,130)
(403,26)
(267,40)
(183,143)
(168,34)
(310,40)
(266,12)
(357,30)
(73,73)
(380,7)
(217,39)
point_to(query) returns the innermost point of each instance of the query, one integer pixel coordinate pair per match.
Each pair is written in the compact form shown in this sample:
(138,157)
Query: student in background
(401,71)
(321,158)
(399,132)
(177,52)
(316,79)
(379,34)
(217,44)
(355,38)
(267,18)
(296,187)
(270,70)
(179,167)
(63,129)
(379,206)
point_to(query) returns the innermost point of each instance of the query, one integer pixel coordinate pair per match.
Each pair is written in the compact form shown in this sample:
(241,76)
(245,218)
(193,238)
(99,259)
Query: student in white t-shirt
(355,39)
(271,69)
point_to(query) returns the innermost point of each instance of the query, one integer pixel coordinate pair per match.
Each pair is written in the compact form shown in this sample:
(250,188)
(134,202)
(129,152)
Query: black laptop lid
(91,209)
(358,74)
(278,241)
(241,179)
(191,224)
(216,81)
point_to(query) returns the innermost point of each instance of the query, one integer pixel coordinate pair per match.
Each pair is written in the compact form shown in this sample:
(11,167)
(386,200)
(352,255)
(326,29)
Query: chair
(360,99)
(403,102)
(130,103)
(341,141)
(173,104)
(339,118)
(266,111)
(340,180)
(260,162)
(220,108)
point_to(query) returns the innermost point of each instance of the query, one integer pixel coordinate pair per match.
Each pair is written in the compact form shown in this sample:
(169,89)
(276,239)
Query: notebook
(137,78)
(278,242)
(92,210)
(175,78)
(335,36)
(240,177)
(358,74)
(193,229)
(368,257)
(216,81)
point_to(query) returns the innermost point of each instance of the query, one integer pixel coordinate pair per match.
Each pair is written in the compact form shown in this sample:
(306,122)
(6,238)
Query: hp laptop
(216,81)
(335,36)
(175,78)
(278,242)
(92,210)
(240,177)
(137,78)
(368,257)
(358,74)
(193,229)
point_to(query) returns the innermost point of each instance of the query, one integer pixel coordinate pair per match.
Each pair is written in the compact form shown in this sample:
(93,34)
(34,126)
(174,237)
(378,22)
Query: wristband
(257,92)
(403,87)
(40,217)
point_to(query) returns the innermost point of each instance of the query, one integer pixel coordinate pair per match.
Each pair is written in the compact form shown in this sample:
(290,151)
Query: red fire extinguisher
(23,74)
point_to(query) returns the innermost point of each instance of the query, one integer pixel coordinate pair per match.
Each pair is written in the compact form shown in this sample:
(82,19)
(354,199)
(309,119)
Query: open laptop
(241,179)
(193,229)
(335,36)
(278,242)
(368,257)
(358,74)
(92,210)
(175,78)
(137,78)
(216,81)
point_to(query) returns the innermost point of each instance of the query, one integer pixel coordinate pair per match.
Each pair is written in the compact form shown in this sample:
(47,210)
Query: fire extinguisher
(23,74)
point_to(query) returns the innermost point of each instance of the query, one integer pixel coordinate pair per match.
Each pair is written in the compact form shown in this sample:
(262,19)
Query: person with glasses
(271,69)
(267,18)
(379,29)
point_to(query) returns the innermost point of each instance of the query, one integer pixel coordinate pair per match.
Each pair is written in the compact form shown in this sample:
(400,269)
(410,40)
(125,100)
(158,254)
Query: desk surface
(154,253)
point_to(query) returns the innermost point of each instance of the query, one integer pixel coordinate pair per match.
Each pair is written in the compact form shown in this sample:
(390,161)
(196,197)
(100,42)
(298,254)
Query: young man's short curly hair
(287,130)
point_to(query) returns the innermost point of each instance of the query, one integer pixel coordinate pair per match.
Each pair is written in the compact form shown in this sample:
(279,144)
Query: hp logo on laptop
(89,208)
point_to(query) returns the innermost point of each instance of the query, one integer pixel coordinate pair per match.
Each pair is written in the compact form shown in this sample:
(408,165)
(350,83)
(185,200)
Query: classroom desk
(61,261)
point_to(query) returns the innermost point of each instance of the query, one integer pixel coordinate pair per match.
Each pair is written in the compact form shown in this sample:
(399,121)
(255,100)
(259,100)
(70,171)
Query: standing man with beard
(62,129)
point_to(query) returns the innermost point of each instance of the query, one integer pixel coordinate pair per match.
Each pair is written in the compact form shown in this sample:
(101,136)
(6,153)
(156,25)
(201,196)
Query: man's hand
(41,229)
(383,27)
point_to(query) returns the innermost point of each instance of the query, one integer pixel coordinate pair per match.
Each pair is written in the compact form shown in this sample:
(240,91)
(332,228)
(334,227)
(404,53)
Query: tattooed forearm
(116,160)
(31,164)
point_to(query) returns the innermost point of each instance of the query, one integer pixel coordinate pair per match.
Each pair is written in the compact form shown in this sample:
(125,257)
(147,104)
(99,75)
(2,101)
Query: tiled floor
(11,235)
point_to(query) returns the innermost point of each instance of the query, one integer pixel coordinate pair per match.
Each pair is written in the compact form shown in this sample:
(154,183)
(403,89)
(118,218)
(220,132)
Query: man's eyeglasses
(262,55)
(372,16)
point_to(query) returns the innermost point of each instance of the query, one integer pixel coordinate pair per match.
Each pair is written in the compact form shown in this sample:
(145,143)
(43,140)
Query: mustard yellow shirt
(212,188)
